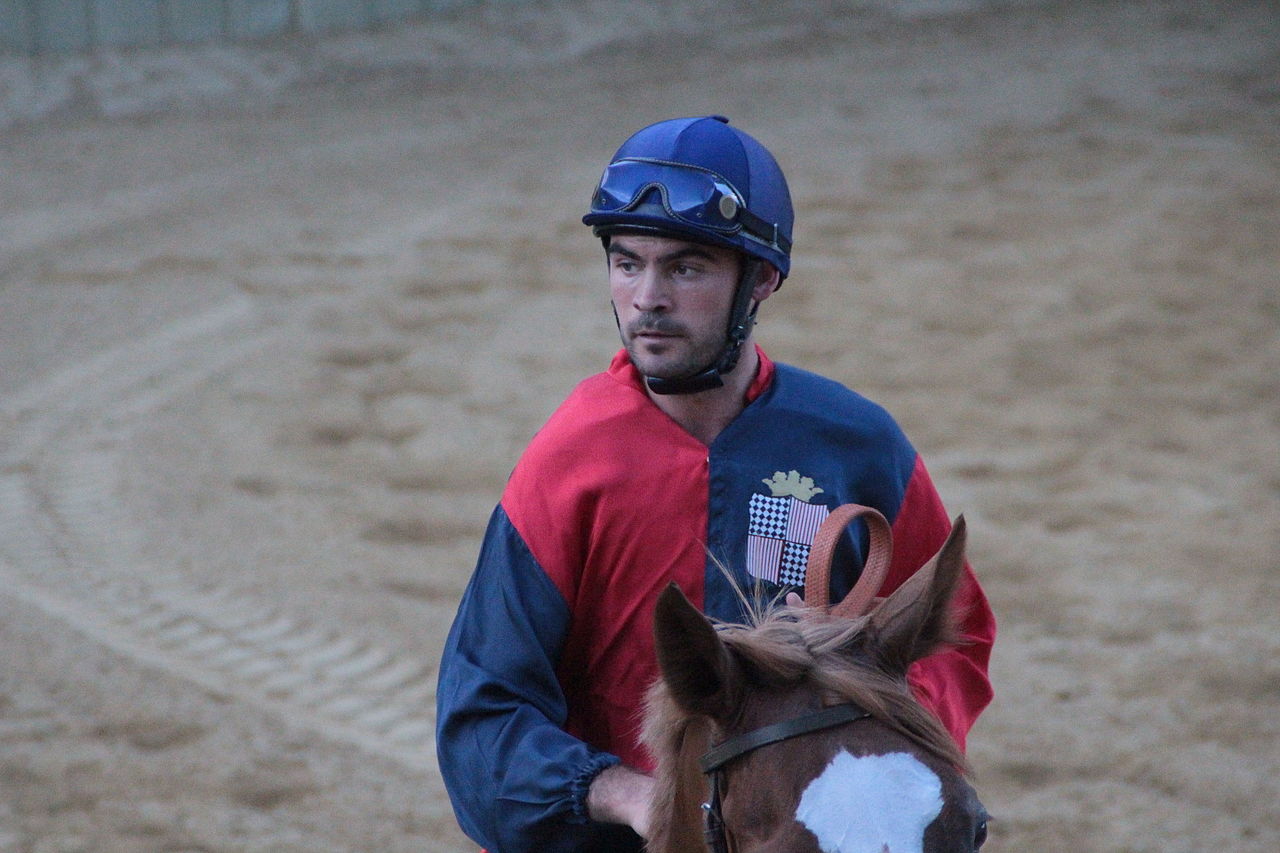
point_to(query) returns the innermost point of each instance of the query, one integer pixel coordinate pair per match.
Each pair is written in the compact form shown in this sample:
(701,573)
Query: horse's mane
(782,646)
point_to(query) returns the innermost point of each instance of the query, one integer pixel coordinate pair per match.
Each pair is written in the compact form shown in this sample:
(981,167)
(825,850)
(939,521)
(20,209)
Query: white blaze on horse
(798,733)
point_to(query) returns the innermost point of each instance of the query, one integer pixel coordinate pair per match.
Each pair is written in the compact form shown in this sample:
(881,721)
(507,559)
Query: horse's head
(820,745)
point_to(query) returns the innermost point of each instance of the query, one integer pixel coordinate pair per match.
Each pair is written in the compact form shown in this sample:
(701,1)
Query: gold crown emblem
(791,484)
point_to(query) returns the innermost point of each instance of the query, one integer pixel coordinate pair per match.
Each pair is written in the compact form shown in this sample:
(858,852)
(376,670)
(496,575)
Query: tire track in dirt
(68,548)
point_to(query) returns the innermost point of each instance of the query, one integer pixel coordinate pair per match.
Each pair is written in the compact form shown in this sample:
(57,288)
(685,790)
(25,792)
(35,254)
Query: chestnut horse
(797,733)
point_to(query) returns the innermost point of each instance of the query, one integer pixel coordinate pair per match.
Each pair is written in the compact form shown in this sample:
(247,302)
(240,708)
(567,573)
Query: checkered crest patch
(779,536)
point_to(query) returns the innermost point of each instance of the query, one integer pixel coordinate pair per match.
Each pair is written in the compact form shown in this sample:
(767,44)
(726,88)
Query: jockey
(693,457)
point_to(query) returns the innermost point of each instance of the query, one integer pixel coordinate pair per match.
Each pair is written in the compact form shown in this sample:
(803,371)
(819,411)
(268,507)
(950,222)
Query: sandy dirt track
(270,344)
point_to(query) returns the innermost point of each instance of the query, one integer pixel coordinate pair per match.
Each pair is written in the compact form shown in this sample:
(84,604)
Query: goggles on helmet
(689,194)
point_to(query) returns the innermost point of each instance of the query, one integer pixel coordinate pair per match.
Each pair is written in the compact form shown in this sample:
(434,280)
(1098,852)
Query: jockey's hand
(623,795)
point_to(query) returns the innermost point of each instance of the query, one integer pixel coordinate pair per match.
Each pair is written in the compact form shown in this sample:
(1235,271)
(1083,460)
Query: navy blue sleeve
(517,780)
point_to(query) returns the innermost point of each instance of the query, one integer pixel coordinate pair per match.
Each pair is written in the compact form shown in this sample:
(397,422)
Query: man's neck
(704,415)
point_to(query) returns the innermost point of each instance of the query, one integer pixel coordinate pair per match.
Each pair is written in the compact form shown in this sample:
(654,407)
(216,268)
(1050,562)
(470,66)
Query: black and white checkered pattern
(795,558)
(769,516)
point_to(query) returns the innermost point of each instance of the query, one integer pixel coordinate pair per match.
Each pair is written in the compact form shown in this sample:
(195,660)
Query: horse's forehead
(871,803)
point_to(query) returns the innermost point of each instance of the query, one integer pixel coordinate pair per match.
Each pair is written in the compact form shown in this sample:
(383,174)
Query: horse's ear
(700,672)
(916,618)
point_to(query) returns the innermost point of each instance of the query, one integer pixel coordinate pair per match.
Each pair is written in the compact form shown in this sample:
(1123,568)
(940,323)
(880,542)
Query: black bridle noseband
(715,759)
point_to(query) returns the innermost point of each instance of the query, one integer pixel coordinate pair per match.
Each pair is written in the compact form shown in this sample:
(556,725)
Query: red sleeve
(953,683)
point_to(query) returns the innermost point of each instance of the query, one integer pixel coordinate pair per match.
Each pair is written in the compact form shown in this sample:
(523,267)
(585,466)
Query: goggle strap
(763,230)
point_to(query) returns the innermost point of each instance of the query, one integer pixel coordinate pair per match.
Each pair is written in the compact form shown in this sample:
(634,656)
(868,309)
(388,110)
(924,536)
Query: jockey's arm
(952,683)
(519,782)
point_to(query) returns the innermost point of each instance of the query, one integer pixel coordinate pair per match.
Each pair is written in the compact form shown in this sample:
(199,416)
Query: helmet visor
(690,195)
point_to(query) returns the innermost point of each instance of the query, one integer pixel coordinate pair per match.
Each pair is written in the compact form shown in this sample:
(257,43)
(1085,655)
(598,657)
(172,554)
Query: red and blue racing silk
(545,669)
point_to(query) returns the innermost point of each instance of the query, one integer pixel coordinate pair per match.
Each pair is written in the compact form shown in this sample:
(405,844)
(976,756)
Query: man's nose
(652,292)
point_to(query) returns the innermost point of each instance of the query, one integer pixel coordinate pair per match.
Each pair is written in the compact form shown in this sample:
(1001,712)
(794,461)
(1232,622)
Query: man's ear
(699,671)
(767,281)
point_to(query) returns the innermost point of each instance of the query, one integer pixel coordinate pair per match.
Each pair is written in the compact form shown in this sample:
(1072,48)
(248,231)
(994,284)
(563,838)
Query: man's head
(701,182)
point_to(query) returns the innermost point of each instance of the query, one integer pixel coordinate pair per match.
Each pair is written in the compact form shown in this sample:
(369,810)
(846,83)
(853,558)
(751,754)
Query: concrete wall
(67,26)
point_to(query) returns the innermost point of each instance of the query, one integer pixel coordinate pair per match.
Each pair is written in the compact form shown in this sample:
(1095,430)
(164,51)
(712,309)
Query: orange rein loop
(817,578)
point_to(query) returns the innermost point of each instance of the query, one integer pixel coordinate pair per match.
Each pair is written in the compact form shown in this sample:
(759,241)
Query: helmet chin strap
(742,316)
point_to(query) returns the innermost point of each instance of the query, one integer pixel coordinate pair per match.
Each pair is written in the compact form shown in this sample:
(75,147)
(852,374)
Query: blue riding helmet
(699,178)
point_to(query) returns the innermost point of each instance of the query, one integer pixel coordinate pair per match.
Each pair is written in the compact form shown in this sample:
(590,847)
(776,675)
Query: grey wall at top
(69,26)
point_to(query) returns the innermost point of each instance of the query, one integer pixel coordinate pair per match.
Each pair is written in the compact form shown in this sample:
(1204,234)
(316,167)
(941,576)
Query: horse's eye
(980,835)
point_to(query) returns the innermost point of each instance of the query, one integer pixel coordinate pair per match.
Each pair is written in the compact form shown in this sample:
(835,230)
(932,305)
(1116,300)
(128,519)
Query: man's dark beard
(662,324)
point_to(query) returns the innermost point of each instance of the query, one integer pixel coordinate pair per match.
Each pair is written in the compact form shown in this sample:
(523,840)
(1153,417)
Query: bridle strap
(817,579)
(715,833)
(735,747)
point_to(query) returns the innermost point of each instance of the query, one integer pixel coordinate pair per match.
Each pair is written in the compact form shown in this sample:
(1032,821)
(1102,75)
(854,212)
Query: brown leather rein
(817,577)
(817,584)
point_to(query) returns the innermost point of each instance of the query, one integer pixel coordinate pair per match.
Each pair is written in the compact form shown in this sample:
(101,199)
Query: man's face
(673,299)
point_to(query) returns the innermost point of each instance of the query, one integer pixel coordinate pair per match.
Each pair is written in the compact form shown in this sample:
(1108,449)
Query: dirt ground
(275,322)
